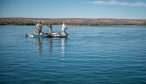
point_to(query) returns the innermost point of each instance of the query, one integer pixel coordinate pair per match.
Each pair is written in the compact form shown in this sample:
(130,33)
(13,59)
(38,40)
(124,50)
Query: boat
(46,35)
(50,34)
(33,35)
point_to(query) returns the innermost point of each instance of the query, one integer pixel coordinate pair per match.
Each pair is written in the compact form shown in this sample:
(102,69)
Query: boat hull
(46,36)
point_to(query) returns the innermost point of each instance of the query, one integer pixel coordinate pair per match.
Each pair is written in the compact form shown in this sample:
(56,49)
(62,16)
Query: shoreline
(74,24)
(74,21)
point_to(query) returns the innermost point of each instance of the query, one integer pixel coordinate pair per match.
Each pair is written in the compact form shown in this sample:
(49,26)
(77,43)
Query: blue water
(90,55)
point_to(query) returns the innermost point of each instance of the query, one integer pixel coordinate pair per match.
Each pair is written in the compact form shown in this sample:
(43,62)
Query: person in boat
(50,29)
(64,27)
(38,28)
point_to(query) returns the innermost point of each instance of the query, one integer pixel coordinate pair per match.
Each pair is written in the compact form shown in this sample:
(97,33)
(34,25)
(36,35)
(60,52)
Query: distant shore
(73,21)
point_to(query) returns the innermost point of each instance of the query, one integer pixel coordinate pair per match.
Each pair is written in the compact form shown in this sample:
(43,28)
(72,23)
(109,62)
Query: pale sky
(131,9)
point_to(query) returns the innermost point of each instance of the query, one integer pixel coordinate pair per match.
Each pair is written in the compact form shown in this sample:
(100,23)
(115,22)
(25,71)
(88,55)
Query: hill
(72,21)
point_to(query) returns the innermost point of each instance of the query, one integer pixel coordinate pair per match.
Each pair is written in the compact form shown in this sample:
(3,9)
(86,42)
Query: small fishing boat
(50,34)
(46,35)
(33,35)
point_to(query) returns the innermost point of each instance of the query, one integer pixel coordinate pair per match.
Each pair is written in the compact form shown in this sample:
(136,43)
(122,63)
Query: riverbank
(73,21)
(20,23)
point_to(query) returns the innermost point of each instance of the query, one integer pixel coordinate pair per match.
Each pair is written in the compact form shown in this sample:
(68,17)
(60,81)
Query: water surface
(90,55)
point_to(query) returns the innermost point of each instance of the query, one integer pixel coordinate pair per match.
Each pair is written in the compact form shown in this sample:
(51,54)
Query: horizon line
(72,18)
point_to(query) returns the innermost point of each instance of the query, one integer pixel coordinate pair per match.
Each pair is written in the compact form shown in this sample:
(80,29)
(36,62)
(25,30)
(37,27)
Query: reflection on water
(49,43)
(62,46)
(38,42)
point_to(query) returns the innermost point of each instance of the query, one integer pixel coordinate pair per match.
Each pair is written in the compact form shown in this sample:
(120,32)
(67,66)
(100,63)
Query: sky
(122,9)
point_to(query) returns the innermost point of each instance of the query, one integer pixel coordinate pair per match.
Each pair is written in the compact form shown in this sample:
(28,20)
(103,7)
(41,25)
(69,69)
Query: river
(90,55)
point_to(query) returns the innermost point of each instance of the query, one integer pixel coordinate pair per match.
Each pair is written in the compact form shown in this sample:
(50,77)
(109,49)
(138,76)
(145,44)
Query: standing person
(63,27)
(39,27)
(50,29)
(64,33)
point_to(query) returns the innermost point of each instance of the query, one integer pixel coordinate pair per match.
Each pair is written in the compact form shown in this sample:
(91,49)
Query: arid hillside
(73,21)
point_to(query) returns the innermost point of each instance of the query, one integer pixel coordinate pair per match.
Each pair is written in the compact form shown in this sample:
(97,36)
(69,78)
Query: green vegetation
(73,21)
(45,23)
(72,24)
(17,23)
